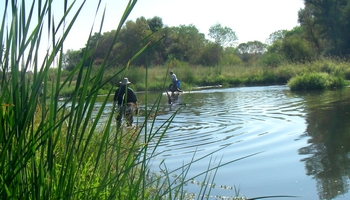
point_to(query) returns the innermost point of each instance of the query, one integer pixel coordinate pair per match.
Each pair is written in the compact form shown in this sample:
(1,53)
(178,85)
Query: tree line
(323,31)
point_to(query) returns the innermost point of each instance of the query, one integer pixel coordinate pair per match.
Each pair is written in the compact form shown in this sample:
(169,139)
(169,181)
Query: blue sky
(249,19)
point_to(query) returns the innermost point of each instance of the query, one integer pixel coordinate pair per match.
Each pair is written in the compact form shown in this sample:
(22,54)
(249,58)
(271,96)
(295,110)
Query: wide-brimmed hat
(125,81)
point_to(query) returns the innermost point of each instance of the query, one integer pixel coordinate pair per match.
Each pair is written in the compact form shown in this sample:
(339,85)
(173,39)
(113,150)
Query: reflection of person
(127,102)
(174,83)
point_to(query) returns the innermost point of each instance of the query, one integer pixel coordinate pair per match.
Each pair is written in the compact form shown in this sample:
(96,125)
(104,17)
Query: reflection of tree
(329,149)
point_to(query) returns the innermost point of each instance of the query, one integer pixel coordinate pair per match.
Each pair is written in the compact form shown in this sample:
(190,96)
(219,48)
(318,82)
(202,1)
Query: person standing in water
(126,99)
(174,83)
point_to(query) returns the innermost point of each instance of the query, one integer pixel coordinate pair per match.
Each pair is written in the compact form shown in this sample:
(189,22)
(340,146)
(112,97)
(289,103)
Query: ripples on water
(248,120)
(229,116)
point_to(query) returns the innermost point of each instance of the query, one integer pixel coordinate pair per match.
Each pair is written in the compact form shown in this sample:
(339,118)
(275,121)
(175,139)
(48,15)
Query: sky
(249,19)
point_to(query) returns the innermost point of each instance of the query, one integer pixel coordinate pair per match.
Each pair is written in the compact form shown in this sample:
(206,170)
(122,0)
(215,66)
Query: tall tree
(155,23)
(71,58)
(131,39)
(186,43)
(251,50)
(295,47)
(311,29)
(101,43)
(277,35)
(211,55)
(223,36)
(330,23)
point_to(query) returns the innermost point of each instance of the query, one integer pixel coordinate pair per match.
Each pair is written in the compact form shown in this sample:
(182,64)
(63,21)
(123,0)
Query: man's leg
(129,115)
(119,117)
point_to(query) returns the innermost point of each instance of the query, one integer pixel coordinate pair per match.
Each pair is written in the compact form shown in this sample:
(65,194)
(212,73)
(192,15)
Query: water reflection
(328,151)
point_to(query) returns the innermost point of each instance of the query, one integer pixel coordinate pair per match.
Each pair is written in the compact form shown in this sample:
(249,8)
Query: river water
(297,143)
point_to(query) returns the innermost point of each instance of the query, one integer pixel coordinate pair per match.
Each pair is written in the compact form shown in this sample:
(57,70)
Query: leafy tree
(297,49)
(311,29)
(251,50)
(295,31)
(157,54)
(277,35)
(101,44)
(155,23)
(164,40)
(131,39)
(327,21)
(185,43)
(274,54)
(271,59)
(211,54)
(287,45)
(275,47)
(223,36)
(94,40)
(71,58)
(243,52)
(230,57)
(256,47)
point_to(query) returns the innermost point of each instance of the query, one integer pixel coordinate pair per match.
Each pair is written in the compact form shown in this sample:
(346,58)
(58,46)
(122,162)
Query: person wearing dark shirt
(126,99)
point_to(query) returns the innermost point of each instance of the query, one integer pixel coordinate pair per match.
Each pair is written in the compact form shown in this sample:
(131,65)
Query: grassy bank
(231,76)
(335,72)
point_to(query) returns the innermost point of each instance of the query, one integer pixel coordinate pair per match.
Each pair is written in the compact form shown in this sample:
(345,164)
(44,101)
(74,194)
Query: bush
(271,59)
(315,81)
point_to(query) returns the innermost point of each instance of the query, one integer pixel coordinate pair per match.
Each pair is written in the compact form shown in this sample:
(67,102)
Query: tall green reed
(50,148)
(54,149)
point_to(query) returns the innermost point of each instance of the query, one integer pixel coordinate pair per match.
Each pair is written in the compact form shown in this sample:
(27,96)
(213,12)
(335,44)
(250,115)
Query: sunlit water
(293,143)
(301,141)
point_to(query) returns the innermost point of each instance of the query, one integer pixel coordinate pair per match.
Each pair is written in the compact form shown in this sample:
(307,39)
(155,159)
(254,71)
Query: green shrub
(231,60)
(271,59)
(347,73)
(187,76)
(315,81)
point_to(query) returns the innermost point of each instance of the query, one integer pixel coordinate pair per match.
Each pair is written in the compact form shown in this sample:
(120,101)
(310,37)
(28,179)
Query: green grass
(231,76)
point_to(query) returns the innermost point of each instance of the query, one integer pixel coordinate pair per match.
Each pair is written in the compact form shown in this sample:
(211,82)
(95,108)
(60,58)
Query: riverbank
(199,77)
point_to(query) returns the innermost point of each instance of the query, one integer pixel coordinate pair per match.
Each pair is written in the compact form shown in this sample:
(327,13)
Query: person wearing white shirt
(174,83)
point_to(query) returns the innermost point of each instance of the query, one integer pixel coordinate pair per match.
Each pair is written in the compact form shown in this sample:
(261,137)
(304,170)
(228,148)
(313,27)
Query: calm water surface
(302,140)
